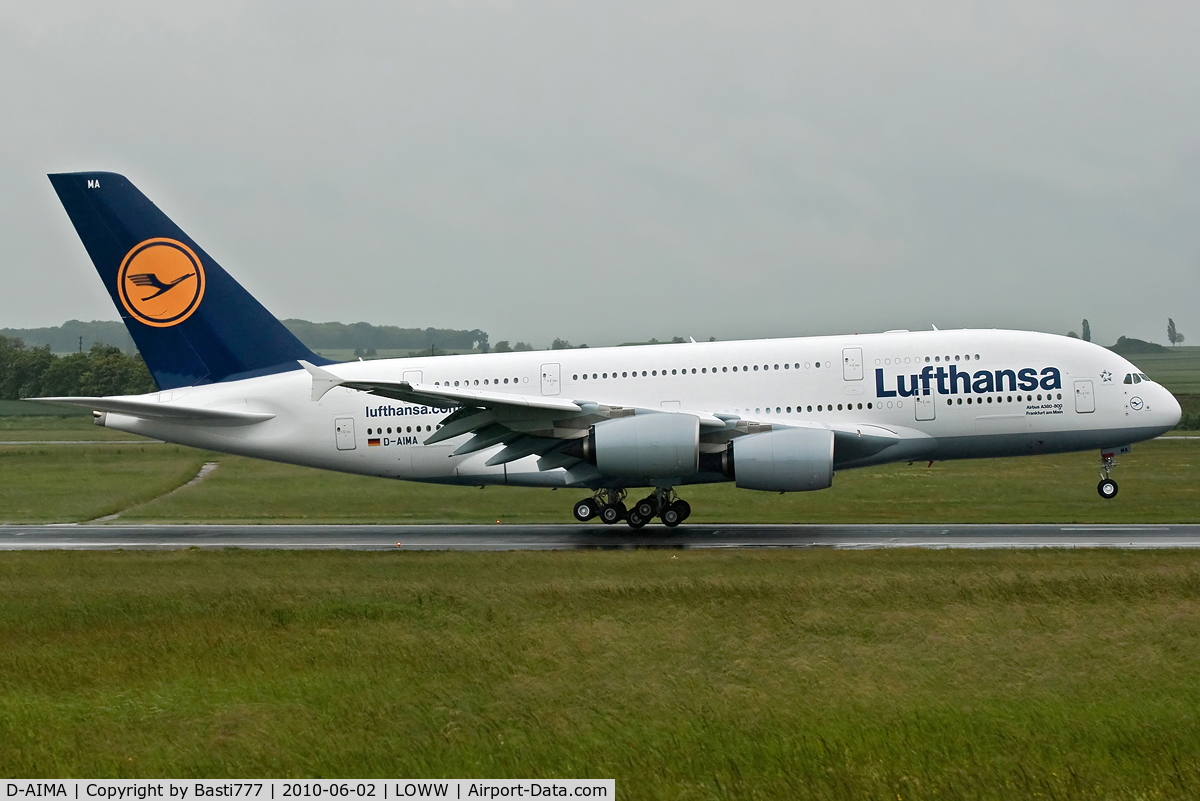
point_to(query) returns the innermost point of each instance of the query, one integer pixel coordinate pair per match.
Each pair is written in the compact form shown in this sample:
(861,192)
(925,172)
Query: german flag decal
(372,442)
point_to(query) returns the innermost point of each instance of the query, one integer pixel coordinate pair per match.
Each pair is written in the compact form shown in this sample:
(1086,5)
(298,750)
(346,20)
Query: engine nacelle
(788,460)
(645,445)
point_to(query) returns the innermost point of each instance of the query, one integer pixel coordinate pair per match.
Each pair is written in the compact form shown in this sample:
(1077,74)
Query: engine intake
(788,460)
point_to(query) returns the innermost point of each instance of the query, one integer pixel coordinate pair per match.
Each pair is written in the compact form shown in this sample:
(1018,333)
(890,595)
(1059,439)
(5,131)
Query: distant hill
(65,338)
(340,336)
(1128,346)
(318,336)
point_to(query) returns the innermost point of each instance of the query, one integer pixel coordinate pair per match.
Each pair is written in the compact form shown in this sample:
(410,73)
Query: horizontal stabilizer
(151,410)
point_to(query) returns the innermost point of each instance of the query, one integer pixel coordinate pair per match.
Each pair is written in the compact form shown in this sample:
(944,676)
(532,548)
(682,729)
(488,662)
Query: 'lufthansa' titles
(954,381)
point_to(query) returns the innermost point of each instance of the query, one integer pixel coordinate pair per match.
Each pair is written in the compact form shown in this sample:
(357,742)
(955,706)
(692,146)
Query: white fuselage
(1012,393)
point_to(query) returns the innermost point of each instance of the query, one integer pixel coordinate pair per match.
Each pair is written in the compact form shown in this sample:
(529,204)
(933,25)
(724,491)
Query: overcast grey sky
(619,170)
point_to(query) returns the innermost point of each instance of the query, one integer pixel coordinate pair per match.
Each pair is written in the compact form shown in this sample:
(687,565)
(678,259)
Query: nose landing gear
(1107,487)
(608,505)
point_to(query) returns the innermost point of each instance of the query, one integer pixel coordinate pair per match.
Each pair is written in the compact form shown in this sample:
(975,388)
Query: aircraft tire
(670,517)
(611,513)
(685,509)
(1107,489)
(635,520)
(647,508)
(586,510)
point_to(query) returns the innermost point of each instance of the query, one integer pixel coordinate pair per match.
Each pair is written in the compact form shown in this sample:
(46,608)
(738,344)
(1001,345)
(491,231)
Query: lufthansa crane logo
(161,282)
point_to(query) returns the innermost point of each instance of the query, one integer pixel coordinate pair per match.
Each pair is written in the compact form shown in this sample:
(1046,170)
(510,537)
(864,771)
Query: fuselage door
(852,364)
(926,402)
(550,382)
(343,431)
(1085,398)
(412,376)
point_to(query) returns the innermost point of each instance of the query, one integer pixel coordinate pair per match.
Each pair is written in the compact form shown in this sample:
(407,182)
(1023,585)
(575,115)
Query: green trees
(103,370)
(1173,336)
(1086,331)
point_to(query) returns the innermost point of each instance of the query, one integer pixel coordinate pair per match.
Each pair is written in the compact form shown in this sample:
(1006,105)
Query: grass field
(684,675)
(68,483)
(19,428)
(1160,482)
(15,408)
(1178,370)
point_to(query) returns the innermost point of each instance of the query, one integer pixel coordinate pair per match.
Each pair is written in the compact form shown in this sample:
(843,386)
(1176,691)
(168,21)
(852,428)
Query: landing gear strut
(609,506)
(1107,487)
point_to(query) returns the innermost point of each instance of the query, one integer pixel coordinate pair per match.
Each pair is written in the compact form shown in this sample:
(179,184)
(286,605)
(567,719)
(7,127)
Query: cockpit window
(1137,378)
(1129,378)
(1144,376)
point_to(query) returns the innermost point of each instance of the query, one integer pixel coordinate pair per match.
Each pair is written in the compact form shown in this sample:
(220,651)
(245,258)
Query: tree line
(101,370)
(365,336)
(76,336)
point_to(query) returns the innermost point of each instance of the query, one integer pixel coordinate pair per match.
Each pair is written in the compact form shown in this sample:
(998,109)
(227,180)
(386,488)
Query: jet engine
(788,460)
(662,445)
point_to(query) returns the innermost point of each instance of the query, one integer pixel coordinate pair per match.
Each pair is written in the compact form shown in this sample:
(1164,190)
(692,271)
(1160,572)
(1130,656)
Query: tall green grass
(56,429)
(1160,482)
(818,674)
(72,483)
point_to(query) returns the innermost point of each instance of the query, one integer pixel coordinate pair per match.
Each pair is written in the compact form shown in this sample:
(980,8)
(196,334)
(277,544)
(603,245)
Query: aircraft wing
(525,424)
(530,425)
(164,411)
(430,395)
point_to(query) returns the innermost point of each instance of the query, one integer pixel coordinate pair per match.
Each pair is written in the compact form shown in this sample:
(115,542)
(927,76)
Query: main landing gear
(609,506)
(1107,487)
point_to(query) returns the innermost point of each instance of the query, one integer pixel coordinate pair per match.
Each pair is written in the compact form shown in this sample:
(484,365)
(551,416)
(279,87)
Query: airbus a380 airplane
(779,415)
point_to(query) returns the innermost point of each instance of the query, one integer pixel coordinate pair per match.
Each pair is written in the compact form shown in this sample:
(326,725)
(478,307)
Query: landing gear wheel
(670,516)
(612,513)
(647,508)
(1107,489)
(684,508)
(635,520)
(586,510)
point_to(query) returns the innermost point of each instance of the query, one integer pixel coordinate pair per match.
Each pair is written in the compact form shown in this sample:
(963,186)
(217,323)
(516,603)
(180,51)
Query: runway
(593,536)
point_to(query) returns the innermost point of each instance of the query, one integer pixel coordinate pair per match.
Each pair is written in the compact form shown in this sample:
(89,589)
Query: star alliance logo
(1106,377)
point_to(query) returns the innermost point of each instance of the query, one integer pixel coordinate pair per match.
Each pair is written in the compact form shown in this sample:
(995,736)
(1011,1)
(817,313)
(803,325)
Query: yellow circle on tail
(161,282)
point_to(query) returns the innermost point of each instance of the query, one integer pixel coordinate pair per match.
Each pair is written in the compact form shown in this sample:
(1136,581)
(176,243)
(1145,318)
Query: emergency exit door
(852,364)
(926,402)
(343,433)
(550,383)
(1085,398)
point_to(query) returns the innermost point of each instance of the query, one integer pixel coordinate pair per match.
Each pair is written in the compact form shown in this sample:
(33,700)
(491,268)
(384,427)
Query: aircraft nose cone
(1171,410)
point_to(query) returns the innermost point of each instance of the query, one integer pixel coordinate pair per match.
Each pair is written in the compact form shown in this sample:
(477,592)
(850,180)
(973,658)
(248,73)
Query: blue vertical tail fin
(191,321)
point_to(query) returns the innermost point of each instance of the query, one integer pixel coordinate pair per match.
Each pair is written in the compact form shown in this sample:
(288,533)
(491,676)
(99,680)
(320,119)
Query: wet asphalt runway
(590,536)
